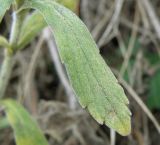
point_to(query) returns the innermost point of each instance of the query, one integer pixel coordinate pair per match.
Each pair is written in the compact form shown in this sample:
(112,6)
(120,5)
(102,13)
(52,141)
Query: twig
(97,30)
(139,29)
(32,65)
(113,137)
(146,135)
(113,22)
(29,77)
(143,16)
(62,75)
(131,45)
(152,15)
(123,49)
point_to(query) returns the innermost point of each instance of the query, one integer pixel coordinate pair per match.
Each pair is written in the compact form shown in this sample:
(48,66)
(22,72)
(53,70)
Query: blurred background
(127,33)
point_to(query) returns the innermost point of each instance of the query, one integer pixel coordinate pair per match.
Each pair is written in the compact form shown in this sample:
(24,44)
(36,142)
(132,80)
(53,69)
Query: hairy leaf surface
(25,129)
(4,5)
(95,85)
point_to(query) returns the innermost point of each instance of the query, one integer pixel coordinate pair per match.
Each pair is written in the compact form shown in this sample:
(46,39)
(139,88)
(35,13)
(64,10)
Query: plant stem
(5,73)
(7,65)
(15,29)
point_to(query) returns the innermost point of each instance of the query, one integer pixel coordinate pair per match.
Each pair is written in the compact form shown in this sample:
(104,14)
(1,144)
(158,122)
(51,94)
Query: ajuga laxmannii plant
(95,86)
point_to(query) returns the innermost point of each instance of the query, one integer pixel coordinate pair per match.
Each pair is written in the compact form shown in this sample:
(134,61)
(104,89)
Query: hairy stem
(7,65)
(5,73)
(15,29)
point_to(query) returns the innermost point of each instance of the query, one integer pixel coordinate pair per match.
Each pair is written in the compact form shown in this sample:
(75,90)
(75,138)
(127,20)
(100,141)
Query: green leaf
(4,5)
(95,85)
(30,28)
(25,129)
(153,100)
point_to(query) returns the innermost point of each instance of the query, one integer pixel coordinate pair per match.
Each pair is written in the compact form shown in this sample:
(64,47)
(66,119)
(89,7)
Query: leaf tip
(125,130)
